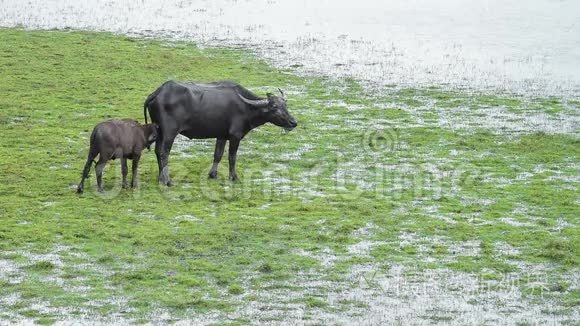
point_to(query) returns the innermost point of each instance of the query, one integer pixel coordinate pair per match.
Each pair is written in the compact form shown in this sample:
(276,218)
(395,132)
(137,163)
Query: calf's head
(274,110)
(151,131)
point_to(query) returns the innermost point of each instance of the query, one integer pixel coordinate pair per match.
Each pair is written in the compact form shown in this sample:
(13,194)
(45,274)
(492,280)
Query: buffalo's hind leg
(220,144)
(86,170)
(162,149)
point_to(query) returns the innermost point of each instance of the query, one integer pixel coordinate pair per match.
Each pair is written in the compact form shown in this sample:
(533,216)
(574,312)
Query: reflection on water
(530,47)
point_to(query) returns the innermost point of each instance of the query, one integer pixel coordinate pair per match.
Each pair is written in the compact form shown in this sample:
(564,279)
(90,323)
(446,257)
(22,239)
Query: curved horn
(257,103)
(281,92)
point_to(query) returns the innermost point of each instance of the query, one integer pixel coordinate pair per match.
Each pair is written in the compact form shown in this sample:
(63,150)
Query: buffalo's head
(274,110)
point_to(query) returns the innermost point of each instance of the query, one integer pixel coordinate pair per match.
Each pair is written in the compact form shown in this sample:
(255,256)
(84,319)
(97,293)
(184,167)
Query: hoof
(165,183)
(79,190)
(101,190)
(212,175)
(234,178)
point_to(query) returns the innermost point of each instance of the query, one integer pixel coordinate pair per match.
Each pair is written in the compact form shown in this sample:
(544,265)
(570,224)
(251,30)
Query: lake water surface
(529,47)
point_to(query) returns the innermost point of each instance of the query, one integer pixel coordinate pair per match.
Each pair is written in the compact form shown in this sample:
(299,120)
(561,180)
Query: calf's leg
(99,170)
(134,168)
(124,171)
(86,170)
(220,144)
(232,153)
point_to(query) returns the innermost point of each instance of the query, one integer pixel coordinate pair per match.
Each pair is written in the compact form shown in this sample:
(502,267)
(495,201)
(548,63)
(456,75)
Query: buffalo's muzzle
(291,125)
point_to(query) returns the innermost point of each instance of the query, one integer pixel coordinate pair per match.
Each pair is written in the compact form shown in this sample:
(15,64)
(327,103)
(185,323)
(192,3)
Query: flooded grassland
(408,205)
(433,177)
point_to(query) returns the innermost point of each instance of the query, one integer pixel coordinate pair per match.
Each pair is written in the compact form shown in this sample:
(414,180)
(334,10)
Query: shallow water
(527,47)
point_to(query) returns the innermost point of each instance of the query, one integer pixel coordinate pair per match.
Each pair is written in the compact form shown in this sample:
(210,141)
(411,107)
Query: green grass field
(375,187)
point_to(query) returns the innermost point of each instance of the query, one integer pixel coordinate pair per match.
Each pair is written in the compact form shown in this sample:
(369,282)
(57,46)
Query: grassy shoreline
(423,179)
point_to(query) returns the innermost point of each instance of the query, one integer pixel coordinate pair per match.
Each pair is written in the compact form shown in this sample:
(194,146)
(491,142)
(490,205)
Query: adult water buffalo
(223,110)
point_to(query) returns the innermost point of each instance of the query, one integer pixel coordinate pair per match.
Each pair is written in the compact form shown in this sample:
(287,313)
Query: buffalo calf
(124,139)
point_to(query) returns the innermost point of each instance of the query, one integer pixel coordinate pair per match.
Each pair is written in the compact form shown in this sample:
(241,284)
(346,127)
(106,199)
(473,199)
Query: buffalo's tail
(149,99)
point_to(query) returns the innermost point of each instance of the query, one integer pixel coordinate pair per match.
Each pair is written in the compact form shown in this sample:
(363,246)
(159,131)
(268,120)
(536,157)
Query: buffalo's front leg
(134,168)
(162,149)
(124,171)
(220,144)
(232,153)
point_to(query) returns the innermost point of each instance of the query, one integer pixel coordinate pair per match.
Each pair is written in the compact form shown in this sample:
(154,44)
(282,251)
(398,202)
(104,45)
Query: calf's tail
(92,147)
